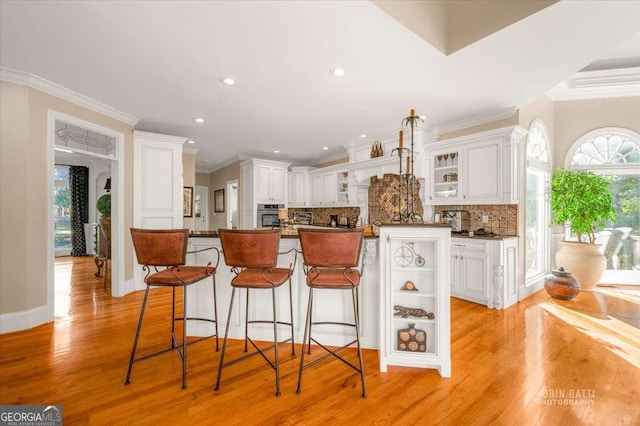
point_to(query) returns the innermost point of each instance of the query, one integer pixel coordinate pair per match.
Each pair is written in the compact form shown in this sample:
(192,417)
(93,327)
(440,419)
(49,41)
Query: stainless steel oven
(268,215)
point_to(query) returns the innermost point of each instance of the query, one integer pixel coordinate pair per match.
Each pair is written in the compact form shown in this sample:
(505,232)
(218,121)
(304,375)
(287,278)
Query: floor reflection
(610,315)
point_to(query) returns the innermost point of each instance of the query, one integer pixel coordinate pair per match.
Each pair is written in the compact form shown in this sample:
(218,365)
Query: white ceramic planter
(584,261)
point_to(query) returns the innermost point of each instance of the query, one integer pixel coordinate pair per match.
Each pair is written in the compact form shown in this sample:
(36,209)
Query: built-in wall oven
(268,215)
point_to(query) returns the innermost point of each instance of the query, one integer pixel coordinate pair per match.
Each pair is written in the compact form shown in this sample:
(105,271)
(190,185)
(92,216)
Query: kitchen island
(373,289)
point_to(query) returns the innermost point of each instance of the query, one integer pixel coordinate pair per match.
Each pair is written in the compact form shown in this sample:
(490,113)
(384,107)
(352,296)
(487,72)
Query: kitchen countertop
(293,233)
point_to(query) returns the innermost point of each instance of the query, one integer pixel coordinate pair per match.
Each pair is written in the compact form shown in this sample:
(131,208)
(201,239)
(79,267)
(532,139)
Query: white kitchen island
(330,304)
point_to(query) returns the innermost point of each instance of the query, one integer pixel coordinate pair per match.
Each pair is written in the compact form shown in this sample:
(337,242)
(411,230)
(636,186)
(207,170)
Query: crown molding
(601,84)
(157,137)
(477,120)
(190,151)
(35,82)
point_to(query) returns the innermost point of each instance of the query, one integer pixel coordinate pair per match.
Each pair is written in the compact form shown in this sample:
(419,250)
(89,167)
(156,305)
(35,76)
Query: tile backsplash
(384,198)
(502,218)
(322,215)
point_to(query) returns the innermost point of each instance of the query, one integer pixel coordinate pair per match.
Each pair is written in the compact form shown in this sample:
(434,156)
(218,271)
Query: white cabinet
(470,273)
(330,189)
(484,271)
(270,183)
(414,297)
(263,182)
(299,187)
(476,169)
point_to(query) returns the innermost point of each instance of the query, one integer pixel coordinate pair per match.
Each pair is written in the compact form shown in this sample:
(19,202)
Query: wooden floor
(539,362)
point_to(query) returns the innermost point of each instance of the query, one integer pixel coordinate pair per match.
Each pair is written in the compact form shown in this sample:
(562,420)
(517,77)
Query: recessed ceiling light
(191,141)
(228,81)
(325,148)
(337,72)
(199,120)
(275,151)
(363,136)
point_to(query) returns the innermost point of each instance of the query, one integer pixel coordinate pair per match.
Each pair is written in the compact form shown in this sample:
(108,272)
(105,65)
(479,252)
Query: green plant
(583,199)
(104,204)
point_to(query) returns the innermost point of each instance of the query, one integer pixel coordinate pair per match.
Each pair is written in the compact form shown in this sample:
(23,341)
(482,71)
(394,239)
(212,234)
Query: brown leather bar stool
(331,261)
(252,255)
(163,254)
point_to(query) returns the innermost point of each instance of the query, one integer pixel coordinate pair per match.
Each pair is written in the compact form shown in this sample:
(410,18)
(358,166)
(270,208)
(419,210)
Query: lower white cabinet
(414,297)
(484,271)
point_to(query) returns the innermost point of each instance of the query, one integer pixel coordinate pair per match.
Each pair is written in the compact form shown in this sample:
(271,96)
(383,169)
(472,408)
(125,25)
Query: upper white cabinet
(299,187)
(330,189)
(270,182)
(476,169)
(263,182)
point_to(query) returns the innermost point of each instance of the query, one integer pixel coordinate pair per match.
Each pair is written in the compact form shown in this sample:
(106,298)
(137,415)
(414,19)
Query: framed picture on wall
(218,201)
(187,201)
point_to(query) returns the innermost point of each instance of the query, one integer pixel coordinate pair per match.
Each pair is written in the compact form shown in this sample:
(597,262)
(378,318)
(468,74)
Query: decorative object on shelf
(103,205)
(405,254)
(407,180)
(376,149)
(409,286)
(412,312)
(561,284)
(412,339)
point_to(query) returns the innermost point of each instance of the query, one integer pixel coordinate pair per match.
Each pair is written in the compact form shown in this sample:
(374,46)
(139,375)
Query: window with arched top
(615,152)
(537,211)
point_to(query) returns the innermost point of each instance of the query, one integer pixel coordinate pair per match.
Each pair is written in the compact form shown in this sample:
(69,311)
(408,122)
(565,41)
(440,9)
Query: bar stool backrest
(331,248)
(250,248)
(160,247)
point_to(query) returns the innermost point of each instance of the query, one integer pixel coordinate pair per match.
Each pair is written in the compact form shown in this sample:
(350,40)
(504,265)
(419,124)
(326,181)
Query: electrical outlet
(485,218)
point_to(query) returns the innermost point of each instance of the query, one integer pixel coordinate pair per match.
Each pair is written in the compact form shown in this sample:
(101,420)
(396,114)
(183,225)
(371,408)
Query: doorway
(201,208)
(74,136)
(232,204)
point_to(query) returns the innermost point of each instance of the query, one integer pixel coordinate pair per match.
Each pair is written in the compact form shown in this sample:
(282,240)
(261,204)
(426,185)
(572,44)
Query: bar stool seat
(252,256)
(331,261)
(163,253)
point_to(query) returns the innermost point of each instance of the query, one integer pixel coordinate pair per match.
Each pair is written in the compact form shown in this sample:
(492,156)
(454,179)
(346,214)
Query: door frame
(117,203)
(228,188)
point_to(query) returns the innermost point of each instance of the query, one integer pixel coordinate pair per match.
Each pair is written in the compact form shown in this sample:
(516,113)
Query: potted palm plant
(581,199)
(103,205)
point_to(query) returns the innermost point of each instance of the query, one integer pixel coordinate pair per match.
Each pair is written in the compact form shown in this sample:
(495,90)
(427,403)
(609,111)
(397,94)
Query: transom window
(537,144)
(607,148)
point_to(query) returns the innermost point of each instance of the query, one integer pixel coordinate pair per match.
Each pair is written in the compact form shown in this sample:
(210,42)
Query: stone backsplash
(503,218)
(322,215)
(383,198)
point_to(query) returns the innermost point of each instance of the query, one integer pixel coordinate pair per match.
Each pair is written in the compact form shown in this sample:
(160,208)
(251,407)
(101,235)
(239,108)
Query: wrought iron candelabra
(407,180)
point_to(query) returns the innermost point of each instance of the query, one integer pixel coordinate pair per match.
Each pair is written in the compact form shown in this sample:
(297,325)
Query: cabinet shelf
(446,168)
(413,320)
(413,294)
(455,182)
(414,268)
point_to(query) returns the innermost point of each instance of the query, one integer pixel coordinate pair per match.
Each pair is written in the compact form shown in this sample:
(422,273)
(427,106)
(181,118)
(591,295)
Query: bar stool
(331,260)
(163,252)
(252,255)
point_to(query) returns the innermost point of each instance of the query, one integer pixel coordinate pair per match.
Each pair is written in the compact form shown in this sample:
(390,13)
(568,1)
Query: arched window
(537,212)
(615,152)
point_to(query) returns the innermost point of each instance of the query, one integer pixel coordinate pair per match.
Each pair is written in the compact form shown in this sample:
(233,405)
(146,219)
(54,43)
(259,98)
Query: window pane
(536,241)
(621,240)
(62,210)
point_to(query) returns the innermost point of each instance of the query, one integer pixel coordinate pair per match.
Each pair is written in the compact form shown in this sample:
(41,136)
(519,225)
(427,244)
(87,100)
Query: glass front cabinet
(414,297)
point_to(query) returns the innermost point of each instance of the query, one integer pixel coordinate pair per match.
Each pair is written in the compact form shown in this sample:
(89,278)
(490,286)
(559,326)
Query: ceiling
(162,62)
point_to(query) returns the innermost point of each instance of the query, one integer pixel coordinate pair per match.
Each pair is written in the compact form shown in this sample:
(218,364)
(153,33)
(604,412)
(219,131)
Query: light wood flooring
(541,362)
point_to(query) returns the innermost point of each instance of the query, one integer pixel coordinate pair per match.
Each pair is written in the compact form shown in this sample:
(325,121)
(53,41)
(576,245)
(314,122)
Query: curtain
(79,188)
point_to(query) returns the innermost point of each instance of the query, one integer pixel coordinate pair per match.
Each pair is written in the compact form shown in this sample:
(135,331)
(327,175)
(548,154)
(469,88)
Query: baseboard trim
(17,321)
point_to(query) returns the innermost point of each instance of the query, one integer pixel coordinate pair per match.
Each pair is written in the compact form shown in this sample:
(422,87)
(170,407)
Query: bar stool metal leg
(135,340)
(307,333)
(354,295)
(246,321)
(224,341)
(275,340)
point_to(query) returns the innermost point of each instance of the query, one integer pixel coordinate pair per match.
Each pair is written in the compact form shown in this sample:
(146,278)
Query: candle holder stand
(407,179)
